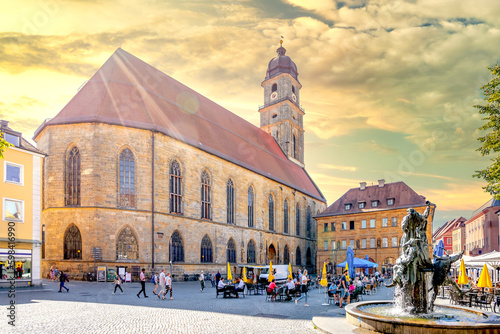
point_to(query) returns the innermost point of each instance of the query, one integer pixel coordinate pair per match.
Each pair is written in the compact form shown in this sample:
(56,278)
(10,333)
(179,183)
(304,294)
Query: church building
(142,172)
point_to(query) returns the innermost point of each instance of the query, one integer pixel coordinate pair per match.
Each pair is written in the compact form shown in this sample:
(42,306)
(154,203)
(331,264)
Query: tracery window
(205,196)
(126,245)
(206,249)
(175,188)
(285,217)
(271,213)
(308,257)
(73,177)
(231,251)
(250,207)
(176,248)
(286,255)
(308,222)
(72,243)
(297,220)
(298,257)
(127,178)
(251,252)
(230,201)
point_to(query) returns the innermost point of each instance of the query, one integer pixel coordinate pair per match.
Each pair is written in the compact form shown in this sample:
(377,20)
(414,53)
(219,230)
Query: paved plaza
(90,307)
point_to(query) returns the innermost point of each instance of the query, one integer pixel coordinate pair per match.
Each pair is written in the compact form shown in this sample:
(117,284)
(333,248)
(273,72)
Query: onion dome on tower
(281,64)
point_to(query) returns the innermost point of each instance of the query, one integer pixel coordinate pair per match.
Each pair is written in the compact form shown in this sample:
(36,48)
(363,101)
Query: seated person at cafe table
(290,289)
(240,287)
(226,287)
(271,290)
(332,292)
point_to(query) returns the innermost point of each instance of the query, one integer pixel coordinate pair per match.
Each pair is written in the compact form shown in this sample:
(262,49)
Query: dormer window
(390,201)
(347,206)
(374,204)
(361,205)
(13,139)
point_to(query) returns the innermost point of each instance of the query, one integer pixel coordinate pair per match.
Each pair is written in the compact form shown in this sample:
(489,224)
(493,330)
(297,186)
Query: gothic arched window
(297,220)
(251,252)
(308,222)
(294,147)
(298,257)
(73,177)
(308,257)
(176,248)
(205,196)
(230,201)
(293,89)
(175,188)
(250,207)
(286,255)
(206,249)
(72,243)
(271,213)
(126,245)
(127,178)
(274,88)
(231,251)
(285,217)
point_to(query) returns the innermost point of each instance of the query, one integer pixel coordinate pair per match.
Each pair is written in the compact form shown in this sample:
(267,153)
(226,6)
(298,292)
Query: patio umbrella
(439,248)
(323,281)
(244,274)
(229,276)
(270,276)
(485,279)
(347,276)
(462,275)
(367,258)
(290,274)
(350,261)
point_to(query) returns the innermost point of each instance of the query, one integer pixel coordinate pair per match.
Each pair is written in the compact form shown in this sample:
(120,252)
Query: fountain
(417,279)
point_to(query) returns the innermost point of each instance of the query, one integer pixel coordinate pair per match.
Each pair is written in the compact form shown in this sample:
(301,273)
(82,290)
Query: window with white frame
(325,245)
(351,244)
(361,205)
(344,225)
(344,244)
(390,201)
(394,241)
(394,221)
(13,173)
(13,210)
(363,223)
(372,223)
(384,222)
(385,243)
(347,206)
(363,243)
(333,245)
(374,204)
(372,243)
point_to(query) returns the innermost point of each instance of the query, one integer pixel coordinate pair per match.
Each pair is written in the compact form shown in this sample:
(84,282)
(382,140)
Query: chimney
(381,183)
(362,185)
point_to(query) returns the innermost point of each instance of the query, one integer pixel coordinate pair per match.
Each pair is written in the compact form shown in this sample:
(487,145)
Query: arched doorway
(271,253)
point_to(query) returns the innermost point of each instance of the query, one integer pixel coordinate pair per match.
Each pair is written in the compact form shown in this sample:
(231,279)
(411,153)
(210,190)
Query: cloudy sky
(388,86)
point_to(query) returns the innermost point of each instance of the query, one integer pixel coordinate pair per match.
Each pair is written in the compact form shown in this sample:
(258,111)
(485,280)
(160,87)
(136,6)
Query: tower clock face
(294,98)
(274,95)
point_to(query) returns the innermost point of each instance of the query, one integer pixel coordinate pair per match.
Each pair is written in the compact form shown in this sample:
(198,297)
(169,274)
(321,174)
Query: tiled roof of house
(23,143)
(128,92)
(400,192)
(491,203)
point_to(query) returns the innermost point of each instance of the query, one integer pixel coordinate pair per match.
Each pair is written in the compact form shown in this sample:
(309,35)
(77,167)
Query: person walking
(56,274)
(118,282)
(51,274)
(212,279)
(202,281)
(142,276)
(217,278)
(156,280)
(168,284)
(162,283)
(344,290)
(303,286)
(63,278)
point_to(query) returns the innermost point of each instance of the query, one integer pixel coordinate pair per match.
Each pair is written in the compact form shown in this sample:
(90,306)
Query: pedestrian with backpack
(154,280)
(162,283)
(63,278)
(118,282)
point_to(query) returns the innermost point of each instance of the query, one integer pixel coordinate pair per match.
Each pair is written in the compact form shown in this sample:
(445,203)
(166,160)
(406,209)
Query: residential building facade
(482,229)
(20,192)
(445,233)
(368,219)
(149,172)
(459,237)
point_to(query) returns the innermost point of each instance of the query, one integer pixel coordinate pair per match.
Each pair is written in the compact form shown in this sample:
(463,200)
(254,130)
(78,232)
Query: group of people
(293,286)
(231,288)
(341,289)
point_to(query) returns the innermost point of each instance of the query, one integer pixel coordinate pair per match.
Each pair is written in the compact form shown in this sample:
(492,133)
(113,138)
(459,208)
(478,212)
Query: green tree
(491,140)
(3,145)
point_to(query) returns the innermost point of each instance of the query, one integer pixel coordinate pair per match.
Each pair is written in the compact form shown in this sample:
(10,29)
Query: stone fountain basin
(382,324)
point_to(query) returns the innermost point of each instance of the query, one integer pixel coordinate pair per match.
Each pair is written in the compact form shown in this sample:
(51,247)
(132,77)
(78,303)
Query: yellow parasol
(229,276)
(485,279)
(270,277)
(244,274)
(323,281)
(462,275)
(290,274)
(347,276)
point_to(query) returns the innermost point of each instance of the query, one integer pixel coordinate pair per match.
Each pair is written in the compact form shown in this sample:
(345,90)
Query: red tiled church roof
(128,92)
(403,195)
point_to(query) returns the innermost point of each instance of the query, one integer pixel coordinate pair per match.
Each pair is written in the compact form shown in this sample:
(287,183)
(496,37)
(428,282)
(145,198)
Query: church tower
(281,115)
